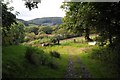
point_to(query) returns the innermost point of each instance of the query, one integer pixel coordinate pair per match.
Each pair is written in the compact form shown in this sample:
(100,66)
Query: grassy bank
(16,65)
(98,68)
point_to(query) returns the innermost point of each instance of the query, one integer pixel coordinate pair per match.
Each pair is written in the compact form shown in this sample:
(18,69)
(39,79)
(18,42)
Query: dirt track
(81,72)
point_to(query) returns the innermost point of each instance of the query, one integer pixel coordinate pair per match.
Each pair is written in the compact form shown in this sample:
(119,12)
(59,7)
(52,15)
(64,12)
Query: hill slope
(23,21)
(46,21)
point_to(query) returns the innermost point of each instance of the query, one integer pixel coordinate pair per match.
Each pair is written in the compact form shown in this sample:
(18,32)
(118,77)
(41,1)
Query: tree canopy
(32,4)
(104,17)
(12,31)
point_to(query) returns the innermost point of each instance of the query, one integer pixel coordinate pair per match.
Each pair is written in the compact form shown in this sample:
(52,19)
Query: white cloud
(47,8)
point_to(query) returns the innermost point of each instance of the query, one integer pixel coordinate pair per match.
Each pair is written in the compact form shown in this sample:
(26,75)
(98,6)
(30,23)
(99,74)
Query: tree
(104,17)
(15,35)
(46,29)
(75,18)
(33,29)
(12,31)
(108,18)
(18,33)
(31,4)
(7,19)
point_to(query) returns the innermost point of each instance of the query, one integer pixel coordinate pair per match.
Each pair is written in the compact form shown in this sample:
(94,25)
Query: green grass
(97,68)
(71,43)
(15,65)
(64,57)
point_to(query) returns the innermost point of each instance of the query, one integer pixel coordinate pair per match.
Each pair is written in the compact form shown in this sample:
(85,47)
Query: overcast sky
(47,8)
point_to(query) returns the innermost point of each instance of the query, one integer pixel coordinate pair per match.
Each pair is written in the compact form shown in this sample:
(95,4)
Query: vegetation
(52,49)
(24,22)
(32,63)
(46,21)
(87,16)
(55,54)
(96,58)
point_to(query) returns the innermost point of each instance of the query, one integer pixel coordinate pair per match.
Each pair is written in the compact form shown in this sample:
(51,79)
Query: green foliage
(44,40)
(53,39)
(53,65)
(55,54)
(99,69)
(33,29)
(18,32)
(107,54)
(15,35)
(45,29)
(36,56)
(16,65)
(102,17)
(26,39)
(24,22)
(7,18)
(29,36)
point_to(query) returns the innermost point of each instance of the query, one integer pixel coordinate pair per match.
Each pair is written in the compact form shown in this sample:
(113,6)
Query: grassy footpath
(97,68)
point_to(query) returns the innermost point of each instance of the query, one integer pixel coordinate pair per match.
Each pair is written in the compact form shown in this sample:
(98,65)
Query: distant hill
(24,22)
(46,21)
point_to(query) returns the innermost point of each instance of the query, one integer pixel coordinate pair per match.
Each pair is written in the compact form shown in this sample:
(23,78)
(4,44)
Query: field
(75,61)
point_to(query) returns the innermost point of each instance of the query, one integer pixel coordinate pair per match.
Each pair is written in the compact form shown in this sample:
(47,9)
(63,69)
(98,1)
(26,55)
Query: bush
(31,36)
(38,57)
(35,56)
(55,54)
(35,42)
(54,40)
(53,65)
(26,39)
(44,40)
(106,54)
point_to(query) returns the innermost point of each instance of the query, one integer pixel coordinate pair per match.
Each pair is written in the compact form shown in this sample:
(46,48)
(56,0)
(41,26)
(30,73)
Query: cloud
(47,8)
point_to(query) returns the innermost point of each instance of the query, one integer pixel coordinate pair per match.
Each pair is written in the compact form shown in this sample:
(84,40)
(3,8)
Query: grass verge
(16,66)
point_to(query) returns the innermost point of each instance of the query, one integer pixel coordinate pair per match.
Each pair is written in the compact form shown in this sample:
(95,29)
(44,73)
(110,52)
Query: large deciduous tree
(76,16)
(104,17)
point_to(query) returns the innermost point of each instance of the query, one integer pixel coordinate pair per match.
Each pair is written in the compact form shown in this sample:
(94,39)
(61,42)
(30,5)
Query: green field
(16,65)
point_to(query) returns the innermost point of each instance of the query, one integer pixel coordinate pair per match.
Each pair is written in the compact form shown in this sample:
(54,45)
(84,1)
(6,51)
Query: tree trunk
(87,38)
(110,38)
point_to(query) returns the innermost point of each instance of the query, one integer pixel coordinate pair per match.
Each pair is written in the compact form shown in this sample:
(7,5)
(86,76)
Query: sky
(47,8)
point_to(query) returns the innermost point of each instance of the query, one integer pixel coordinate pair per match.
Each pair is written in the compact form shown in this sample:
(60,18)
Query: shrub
(31,36)
(55,54)
(44,40)
(31,56)
(106,54)
(38,57)
(35,42)
(54,40)
(35,56)
(26,39)
(53,65)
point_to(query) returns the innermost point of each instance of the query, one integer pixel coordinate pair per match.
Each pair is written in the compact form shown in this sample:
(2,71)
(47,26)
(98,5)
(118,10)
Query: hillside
(46,21)
(23,21)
